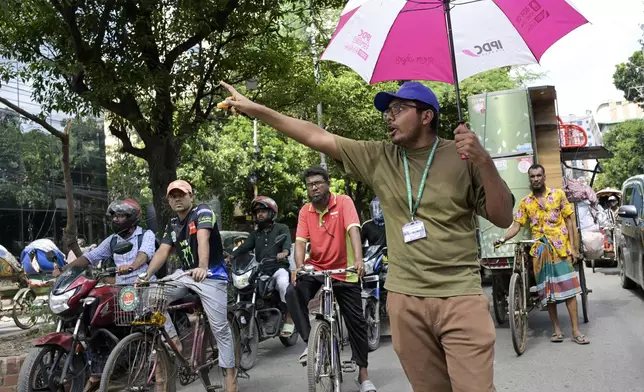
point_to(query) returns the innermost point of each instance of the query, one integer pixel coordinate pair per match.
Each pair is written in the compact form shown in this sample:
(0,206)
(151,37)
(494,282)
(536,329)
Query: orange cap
(181,185)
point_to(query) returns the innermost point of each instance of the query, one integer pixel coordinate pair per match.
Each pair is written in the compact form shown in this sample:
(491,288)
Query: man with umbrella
(441,327)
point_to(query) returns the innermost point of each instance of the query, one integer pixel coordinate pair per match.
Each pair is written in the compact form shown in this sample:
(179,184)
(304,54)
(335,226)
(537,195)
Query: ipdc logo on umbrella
(485,49)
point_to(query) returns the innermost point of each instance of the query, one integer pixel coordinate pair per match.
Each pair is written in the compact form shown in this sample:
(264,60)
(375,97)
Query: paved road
(612,362)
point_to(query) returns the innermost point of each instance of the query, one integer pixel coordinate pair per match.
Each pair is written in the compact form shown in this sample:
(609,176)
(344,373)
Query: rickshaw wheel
(584,292)
(518,315)
(22,306)
(499,301)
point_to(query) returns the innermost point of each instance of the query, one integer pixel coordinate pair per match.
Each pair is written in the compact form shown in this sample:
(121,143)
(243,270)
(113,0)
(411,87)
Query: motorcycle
(85,333)
(259,310)
(374,295)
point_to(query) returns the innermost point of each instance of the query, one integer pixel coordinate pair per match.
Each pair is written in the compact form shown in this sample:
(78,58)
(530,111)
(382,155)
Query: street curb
(9,370)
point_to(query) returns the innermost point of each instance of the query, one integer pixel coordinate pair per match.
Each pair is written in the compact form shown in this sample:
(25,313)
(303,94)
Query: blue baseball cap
(409,91)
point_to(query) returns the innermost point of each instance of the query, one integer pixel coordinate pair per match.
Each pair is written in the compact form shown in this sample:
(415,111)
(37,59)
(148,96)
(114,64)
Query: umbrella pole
(450,38)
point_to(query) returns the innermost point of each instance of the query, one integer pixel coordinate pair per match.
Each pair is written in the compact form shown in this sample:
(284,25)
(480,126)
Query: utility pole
(316,72)
(251,85)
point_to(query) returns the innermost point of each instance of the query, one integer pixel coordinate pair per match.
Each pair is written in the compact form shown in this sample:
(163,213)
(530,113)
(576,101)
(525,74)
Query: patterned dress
(555,275)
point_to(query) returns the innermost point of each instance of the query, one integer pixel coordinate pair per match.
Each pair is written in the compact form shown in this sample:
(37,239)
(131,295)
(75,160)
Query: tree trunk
(163,160)
(70,236)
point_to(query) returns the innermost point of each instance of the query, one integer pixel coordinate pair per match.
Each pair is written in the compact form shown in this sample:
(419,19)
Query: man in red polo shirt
(330,223)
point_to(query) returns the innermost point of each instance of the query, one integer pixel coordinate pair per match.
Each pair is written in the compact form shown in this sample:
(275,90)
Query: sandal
(287,330)
(365,386)
(580,339)
(557,338)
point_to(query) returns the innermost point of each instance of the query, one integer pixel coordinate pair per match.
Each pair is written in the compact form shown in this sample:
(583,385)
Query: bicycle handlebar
(522,242)
(311,272)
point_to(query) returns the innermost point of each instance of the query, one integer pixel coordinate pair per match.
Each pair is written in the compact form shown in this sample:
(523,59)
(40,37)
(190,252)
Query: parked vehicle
(228,239)
(374,295)
(258,309)
(85,333)
(630,251)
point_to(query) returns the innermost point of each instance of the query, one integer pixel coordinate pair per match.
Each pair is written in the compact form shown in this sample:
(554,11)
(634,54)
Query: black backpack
(163,270)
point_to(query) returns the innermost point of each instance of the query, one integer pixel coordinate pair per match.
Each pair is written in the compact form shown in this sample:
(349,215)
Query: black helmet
(264,202)
(128,207)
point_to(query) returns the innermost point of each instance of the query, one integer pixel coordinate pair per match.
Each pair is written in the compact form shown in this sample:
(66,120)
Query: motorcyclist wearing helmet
(373,230)
(124,216)
(264,211)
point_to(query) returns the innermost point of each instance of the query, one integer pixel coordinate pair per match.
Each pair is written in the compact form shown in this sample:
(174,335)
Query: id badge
(413,231)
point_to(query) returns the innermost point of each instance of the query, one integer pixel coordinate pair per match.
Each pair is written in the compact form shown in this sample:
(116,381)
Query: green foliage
(152,66)
(222,164)
(629,76)
(30,162)
(29,165)
(127,176)
(626,142)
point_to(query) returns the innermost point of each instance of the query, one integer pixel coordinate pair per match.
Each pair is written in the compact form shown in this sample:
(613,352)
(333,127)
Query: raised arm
(301,131)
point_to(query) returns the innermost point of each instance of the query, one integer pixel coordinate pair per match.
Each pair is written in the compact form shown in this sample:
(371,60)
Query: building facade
(32,201)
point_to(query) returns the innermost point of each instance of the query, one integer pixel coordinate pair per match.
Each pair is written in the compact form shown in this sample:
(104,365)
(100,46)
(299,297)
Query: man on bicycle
(550,217)
(262,240)
(124,216)
(194,236)
(330,223)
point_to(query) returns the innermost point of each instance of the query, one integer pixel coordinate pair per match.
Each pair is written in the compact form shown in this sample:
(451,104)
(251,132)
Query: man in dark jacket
(262,241)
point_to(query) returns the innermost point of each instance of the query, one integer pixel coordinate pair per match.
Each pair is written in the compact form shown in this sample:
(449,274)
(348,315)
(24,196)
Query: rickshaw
(514,293)
(522,293)
(609,256)
(28,302)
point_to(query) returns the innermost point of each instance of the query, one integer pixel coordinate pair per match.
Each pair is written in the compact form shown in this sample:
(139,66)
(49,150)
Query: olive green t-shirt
(445,263)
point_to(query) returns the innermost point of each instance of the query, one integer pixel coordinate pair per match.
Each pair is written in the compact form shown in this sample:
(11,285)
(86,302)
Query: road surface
(612,362)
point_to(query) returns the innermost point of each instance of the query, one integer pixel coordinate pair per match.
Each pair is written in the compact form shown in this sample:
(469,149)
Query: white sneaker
(304,356)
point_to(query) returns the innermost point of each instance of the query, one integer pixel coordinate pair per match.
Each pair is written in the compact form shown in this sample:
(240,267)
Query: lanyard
(430,159)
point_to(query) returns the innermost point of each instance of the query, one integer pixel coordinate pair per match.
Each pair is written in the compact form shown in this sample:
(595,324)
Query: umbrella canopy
(385,40)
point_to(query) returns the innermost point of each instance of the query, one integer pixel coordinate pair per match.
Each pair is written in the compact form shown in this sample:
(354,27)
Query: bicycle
(523,296)
(142,307)
(326,337)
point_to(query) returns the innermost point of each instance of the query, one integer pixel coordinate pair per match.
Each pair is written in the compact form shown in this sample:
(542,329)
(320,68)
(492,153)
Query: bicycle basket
(141,306)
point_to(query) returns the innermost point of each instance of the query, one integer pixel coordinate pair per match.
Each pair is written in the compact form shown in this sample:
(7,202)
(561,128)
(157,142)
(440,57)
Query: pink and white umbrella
(446,40)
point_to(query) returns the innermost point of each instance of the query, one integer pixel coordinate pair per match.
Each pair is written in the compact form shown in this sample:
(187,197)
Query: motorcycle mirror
(123,247)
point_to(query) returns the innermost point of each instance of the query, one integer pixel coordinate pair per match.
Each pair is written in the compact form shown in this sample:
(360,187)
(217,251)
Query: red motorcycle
(85,334)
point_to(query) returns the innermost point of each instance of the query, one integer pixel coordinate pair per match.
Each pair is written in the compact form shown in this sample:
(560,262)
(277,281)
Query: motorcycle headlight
(58,303)
(241,281)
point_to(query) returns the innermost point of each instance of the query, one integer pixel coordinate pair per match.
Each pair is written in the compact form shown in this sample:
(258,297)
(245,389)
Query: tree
(152,65)
(222,163)
(629,78)
(626,141)
(127,176)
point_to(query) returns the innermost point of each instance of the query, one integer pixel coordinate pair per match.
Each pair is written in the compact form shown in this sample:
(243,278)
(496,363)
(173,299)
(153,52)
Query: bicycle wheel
(22,313)
(210,353)
(319,358)
(139,362)
(518,315)
(584,292)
